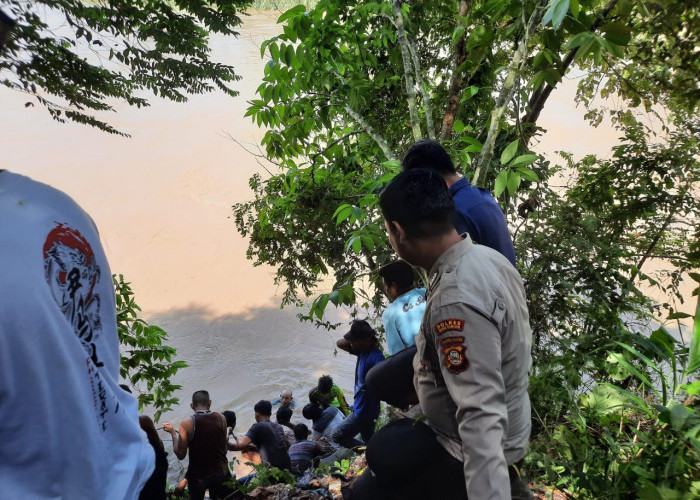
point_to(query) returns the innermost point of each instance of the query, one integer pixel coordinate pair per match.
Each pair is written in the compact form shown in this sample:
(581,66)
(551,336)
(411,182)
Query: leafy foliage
(265,475)
(145,360)
(76,58)
(349,85)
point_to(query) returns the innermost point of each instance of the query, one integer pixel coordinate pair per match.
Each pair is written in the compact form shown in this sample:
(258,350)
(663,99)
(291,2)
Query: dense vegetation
(349,85)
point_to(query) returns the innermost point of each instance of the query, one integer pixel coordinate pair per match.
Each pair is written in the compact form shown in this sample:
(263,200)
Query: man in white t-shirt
(68,430)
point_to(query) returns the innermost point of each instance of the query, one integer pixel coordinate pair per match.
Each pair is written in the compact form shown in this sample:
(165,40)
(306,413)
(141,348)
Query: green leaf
(458,126)
(580,39)
(513,182)
(575,8)
(523,160)
(617,33)
(509,152)
(298,9)
(555,13)
(481,36)
(500,183)
(457,34)
(528,174)
(342,213)
(679,416)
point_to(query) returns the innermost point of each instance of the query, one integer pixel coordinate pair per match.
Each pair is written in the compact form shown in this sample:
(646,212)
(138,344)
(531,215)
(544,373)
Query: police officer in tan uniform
(471,366)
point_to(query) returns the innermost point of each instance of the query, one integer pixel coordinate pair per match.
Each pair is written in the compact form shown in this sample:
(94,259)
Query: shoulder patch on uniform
(455,353)
(449,325)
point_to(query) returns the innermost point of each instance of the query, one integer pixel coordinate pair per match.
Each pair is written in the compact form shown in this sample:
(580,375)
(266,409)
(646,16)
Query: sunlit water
(162,199)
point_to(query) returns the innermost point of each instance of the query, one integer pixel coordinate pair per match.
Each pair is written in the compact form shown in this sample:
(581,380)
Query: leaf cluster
(78,58)
(145,360)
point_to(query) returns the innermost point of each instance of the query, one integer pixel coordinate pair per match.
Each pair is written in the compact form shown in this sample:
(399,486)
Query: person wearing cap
(471,365)
(360,341)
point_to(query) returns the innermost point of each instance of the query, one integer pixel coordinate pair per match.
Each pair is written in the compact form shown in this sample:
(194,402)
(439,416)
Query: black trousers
(217,486)
(406,462)
(391,380)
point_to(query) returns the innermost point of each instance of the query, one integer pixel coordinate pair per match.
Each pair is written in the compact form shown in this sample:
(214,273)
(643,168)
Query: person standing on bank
(403,316)
(477,212)
(360,341)
(471,366)
(204,434)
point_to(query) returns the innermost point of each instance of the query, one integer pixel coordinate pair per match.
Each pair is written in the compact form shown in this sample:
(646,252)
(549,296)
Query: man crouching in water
(204,434)
(471,365)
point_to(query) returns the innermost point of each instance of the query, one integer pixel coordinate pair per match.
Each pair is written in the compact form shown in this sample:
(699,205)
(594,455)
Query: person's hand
(167,427)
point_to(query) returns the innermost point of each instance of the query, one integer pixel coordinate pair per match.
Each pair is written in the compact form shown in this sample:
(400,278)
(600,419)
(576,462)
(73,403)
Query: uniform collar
(448,257)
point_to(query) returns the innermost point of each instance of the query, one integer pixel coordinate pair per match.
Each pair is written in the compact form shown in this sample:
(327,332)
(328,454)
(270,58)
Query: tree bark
(408,71)
(456,81)
(381,142)
(504,97)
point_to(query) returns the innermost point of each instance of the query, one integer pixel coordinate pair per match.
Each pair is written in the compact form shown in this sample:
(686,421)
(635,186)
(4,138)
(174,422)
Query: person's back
(68,430)
(207,446)
(477,211)
(326,393)
(303,452)
(272,446)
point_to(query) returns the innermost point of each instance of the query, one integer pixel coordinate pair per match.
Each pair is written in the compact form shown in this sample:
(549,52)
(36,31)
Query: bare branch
(455,82)
(408,71)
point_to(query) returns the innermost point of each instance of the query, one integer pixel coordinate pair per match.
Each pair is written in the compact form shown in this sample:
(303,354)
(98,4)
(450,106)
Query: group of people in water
(458,366)
(274,440)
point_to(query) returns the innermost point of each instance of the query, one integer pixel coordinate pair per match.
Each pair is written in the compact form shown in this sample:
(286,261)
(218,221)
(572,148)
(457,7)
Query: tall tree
(350,84)
(77,58)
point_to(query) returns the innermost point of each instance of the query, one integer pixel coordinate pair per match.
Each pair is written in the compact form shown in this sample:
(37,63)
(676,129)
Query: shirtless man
(205,435)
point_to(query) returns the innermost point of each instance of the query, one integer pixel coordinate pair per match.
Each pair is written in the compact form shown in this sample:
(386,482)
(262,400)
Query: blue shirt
(479,214)
(364,406)
(402,319)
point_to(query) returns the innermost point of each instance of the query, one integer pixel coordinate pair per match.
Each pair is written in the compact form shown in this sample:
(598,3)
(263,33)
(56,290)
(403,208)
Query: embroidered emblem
(454,351)
(449,325)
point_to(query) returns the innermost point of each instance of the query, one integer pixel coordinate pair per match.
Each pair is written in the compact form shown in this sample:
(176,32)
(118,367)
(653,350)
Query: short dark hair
(419,201)
(200,398)
(325,384)
(230,418)
(399,273)
(263,407)
(301,432)
(430,155)
(312,412)
(284,414)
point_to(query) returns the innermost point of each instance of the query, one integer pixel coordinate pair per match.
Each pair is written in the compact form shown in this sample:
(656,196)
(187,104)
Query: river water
(162,199)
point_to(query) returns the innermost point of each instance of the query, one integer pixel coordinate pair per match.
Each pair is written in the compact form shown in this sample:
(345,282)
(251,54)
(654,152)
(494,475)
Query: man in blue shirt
(403,317)
(478,213)
(360,341)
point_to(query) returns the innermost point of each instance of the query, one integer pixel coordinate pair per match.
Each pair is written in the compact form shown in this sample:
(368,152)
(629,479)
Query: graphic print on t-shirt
(72,272)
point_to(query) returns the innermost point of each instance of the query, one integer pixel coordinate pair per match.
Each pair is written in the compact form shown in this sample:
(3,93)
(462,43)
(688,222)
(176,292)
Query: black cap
(359,329)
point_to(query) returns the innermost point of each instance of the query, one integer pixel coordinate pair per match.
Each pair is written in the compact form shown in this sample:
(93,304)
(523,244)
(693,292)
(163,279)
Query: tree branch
(455,82)
(408,71)
(381,142)
(425,91)
(506,94)
(540,96)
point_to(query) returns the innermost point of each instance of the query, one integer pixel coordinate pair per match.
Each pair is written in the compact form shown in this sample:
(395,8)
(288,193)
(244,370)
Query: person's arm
(180,438)
(244,443)
(470,362)
(150,429)
(346,346)
(338,393)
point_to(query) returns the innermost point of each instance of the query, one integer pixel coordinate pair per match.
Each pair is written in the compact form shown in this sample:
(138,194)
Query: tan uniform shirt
(471,367)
